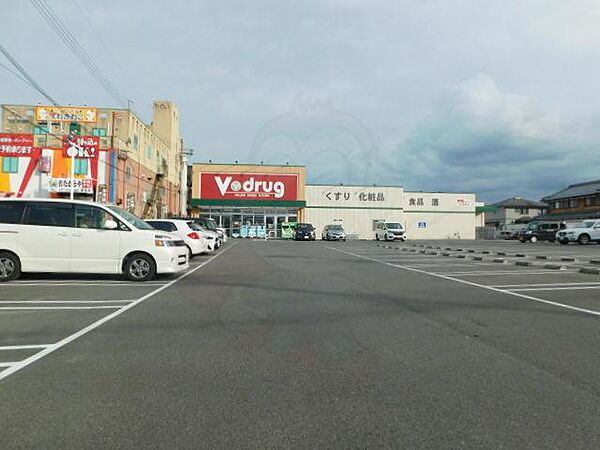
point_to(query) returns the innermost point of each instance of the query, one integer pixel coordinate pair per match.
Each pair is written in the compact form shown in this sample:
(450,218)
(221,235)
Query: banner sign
(65,114)
(63,185)
(16,144)
(81,146)
(248,186)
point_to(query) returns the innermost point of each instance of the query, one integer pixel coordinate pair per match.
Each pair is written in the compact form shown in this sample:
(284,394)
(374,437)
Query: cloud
(480,138)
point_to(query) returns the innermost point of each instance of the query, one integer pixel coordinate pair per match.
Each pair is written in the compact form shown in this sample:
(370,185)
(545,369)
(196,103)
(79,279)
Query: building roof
(576,190)
(519,202)
(567,216)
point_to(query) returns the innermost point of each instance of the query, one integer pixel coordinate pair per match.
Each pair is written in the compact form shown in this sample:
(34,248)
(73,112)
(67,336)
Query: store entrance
(252,223)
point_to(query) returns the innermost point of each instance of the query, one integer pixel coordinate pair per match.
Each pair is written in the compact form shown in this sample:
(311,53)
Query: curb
(554,267)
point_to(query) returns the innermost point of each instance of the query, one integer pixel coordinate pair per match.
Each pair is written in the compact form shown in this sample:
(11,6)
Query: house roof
(576,190)
(566,216)
(519,202)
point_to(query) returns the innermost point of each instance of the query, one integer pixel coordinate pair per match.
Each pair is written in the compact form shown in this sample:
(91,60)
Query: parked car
(541,231)
(583,233)
(333,233)
(390,231)
(305,232)
(510,232)
(52,235)
(186,230)
(209,225)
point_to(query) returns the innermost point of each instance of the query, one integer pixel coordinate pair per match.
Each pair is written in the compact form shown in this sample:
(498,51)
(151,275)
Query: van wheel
(139,267)
(584,239)
(376,237)
(564,241)
(190,254)
(10,266)
(533,239)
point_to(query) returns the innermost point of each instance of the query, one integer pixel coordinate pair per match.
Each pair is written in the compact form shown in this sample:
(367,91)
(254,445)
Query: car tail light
(193,235)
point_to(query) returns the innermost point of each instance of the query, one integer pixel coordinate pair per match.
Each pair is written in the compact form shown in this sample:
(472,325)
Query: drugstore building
(255,200)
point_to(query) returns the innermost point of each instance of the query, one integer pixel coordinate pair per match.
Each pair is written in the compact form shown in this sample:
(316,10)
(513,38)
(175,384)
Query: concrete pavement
(312,345)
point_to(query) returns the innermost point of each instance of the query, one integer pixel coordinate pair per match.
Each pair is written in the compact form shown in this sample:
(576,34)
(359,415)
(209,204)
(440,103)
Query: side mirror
(111,225)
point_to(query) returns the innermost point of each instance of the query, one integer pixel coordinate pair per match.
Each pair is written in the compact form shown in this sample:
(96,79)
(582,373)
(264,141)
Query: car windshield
(335,228)
(533,226)
(304,226)
(586,224)
(131,218)
(394,226)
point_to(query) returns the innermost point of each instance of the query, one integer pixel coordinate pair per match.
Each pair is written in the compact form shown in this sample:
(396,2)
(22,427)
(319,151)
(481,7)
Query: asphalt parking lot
(272,344)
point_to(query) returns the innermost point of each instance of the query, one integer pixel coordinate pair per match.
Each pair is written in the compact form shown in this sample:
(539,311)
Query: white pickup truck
(583,233)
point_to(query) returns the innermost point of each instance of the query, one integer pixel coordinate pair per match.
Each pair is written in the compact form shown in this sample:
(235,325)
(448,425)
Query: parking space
(40,312)
(560,276)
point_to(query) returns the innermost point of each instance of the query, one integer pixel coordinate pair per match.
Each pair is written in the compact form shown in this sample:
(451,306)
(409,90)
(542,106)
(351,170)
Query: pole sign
(65,114)
(16,144)
(81,146)
(248,186)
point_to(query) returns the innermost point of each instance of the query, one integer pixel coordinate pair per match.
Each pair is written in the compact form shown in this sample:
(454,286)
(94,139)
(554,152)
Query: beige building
(126,161)
(439,215)
(357,208)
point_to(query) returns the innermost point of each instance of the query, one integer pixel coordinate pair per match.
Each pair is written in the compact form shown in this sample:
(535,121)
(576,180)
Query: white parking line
(563,288)
(8,364)
(62,301)
(22,347)
(78,284)
(67,340)
(503,286)
(470,283)
(37,308)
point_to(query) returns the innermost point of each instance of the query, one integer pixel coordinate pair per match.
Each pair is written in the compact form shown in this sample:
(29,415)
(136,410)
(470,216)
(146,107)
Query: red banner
(16,144)
(248,186)
(81,146)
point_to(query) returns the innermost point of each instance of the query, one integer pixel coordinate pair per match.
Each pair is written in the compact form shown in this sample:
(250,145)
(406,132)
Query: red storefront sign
(16,144)
(248,186)
(81,146)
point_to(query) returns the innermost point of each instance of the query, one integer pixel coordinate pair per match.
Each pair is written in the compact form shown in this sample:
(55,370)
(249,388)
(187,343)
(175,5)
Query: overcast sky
(497,97)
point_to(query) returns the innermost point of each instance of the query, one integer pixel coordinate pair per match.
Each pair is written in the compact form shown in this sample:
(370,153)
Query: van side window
(49,214)
(11,212)
(92,217)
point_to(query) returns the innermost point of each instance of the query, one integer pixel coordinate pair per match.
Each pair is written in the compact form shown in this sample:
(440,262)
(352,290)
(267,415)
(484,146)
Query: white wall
(441,215)
(355,207)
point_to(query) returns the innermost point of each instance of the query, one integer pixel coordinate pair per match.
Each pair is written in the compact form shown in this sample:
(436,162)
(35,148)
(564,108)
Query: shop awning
(198,202)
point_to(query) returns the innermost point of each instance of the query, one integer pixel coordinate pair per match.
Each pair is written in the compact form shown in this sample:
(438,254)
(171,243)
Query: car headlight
(160,240)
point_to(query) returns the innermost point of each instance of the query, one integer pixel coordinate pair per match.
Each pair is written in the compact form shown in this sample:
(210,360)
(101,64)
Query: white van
(52,235)
(390,231)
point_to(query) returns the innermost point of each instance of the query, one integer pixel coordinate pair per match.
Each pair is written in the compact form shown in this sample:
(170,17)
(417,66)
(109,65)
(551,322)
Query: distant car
(195,241)
(540,231)
(583,233)
(333,233)
(305,232)
(390,231)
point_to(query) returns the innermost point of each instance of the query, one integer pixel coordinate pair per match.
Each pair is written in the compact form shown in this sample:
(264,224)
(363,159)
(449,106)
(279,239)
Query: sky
(500,98)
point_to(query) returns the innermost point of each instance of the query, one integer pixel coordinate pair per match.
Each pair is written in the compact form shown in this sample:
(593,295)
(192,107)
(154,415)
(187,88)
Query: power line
(26,75)
(48,14)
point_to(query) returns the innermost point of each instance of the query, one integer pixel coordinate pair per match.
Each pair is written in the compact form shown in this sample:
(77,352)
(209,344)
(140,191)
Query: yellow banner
(65,114)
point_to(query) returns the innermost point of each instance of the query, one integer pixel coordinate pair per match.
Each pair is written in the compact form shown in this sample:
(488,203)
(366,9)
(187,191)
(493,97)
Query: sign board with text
(81,146)
(248,186)
(16,144)
(65,114)
(63,185)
